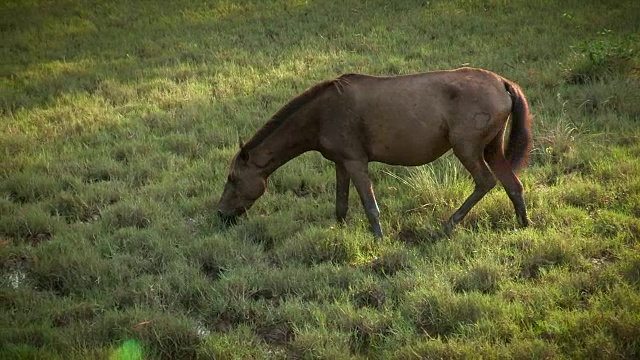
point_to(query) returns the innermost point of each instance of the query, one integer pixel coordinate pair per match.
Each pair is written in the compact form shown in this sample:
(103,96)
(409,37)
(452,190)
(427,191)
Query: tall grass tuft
(438,186)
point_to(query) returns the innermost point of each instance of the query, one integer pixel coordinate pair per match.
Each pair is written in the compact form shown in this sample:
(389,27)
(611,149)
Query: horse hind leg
(342,193)
(473,160)
(494,155)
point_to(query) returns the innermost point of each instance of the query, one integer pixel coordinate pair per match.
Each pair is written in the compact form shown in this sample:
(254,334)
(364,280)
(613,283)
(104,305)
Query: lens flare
(129,350)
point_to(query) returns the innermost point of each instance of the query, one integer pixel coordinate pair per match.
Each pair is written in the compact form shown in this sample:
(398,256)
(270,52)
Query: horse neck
(291,139)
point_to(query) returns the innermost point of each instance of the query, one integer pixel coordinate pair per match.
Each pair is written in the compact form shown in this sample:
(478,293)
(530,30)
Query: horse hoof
(447,228)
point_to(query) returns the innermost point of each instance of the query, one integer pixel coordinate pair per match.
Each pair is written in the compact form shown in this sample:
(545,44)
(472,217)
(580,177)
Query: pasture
(118,120)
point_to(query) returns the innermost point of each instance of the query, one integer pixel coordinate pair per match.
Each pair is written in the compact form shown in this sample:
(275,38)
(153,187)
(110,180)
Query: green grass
(118,121)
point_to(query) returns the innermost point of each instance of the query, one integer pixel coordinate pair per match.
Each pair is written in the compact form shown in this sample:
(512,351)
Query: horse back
(414,119)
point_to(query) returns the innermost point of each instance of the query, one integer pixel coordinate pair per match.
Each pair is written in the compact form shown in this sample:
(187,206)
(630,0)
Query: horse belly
(409,147)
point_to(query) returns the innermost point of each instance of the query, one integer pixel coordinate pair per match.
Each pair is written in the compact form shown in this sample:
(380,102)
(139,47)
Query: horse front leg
(359,174)
(342,193)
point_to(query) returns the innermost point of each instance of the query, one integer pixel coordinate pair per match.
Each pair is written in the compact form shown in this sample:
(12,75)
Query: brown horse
(401,120)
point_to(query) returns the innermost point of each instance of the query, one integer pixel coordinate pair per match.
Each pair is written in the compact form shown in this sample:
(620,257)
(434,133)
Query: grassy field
(118,120)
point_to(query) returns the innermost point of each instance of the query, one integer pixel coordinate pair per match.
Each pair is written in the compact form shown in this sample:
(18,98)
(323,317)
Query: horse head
(245,184)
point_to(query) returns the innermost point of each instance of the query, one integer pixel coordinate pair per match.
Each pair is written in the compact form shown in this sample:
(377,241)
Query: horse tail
(520,136)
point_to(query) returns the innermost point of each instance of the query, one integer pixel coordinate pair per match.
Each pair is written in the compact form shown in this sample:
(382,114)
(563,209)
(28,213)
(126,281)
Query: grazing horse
(405,120)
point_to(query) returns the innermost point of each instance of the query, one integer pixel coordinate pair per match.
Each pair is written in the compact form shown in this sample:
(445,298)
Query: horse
(407,120)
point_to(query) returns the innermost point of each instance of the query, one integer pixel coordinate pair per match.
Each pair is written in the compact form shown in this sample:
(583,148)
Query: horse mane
(291,107)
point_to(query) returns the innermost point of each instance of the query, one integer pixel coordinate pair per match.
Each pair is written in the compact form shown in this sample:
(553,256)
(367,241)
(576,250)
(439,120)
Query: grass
(118,121)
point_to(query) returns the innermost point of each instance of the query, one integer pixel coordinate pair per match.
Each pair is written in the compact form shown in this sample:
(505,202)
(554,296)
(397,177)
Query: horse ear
(244,154)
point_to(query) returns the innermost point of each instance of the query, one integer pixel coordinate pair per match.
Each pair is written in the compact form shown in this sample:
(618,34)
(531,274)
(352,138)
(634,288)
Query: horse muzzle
(227,219)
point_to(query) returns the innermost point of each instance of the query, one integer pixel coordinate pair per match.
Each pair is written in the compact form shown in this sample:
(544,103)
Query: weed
(123,215)
(374,297)
(212,270)
(319,344)
(29,224)
(444,315)
(278,333)
(29,187)
(81,312)
(237,343)
(316,246)
(69,274)
(482,278)
(556,144)
(168,337)
(553,251)
(368,334)
(267,232)
(631,271)
(601,58)
(391,261)
(609,224)
(74,207)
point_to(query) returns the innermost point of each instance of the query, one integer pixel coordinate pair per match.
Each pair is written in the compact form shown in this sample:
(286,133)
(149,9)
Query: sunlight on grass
(129,350)
(118,121)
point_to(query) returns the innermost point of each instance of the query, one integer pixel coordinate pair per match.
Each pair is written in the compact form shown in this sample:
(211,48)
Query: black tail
(520,137)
